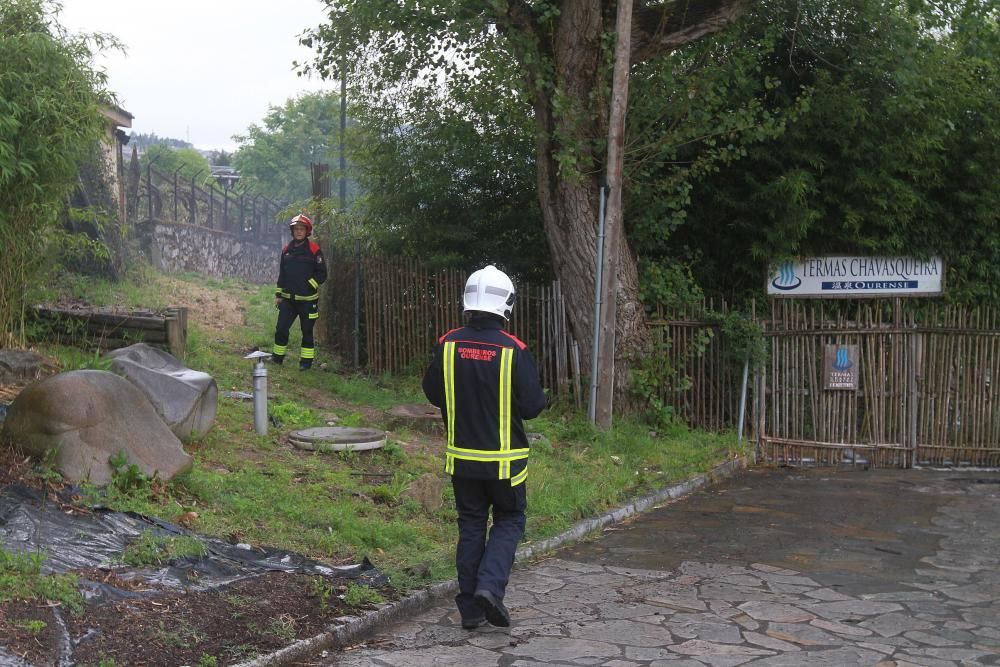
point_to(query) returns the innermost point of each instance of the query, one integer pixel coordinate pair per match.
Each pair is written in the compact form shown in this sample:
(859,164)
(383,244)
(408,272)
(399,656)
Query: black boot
(277,359)
(305,364)
(493,608)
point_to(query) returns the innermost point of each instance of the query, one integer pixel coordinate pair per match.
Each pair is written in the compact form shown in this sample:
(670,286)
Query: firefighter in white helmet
(301,273)
(485,382)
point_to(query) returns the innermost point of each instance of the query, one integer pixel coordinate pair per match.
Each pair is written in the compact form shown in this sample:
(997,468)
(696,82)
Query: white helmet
(489,290)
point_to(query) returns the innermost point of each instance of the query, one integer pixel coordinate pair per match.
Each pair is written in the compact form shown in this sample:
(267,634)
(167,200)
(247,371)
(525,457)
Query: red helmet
(302,219)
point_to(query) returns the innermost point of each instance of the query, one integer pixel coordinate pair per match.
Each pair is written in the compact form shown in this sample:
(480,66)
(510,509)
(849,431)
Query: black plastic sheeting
(30,523)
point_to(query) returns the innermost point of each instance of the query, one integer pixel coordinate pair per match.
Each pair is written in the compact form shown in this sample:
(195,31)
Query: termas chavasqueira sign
(857,276)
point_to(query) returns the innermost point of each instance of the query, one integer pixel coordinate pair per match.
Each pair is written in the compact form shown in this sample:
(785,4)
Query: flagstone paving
(883,568)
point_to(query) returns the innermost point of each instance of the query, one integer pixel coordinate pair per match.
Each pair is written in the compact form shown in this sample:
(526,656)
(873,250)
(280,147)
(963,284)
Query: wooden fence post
(176,327)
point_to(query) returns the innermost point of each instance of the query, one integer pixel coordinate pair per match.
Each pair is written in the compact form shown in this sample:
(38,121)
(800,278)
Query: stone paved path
(886,568)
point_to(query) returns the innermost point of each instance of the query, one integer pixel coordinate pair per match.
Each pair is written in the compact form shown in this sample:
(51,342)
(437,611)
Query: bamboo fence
(406,307)
(926,391)
(705,389)
(927,381)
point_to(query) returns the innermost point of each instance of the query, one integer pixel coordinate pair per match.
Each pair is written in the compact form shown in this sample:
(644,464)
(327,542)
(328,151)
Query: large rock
(86,417)
(186,400)
(20,365)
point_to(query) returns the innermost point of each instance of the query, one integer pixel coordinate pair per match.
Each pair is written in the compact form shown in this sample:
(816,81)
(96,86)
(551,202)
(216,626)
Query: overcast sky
(201,70)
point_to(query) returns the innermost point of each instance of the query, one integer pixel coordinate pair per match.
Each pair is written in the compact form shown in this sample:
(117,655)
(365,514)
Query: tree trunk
(570,213)
(570,206)
(564,69)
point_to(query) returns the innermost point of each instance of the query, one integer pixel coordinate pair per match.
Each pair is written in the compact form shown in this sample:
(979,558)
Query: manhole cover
(338,439)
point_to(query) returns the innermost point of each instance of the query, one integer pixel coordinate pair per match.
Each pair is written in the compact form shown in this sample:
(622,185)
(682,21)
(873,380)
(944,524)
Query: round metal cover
(337,438)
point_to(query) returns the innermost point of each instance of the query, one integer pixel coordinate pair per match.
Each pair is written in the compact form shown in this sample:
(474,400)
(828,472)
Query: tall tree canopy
(555,56)
(887,134)
(49,121)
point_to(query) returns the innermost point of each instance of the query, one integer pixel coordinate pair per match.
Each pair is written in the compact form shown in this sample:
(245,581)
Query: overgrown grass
(153,549)
(257,489)
(21,578)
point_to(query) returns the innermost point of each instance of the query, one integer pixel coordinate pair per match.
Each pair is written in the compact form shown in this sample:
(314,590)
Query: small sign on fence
(840,367)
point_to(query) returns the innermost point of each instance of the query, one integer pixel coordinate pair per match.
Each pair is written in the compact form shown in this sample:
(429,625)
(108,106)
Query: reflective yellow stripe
(448,364)
(315,285)
(313,316)
(486,455)
(284,295)
(308,353)
(299,297)
(506,363)
(485,458)
(519,477)
(280,349)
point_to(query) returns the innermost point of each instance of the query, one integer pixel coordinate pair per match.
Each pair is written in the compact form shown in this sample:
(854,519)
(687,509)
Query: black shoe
(473,623)
(305,365)
(493,608)
(277,359)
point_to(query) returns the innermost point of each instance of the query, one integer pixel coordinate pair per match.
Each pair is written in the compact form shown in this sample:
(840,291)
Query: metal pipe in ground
(260,398)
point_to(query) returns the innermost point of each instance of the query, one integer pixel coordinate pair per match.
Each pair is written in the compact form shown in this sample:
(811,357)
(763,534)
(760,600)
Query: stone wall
(179,248)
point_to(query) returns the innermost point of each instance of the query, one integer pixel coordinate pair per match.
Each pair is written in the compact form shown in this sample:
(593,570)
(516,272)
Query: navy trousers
(305,311)
(484,561)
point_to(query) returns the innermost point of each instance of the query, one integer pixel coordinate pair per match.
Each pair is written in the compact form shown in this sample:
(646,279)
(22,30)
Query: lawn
(341,507)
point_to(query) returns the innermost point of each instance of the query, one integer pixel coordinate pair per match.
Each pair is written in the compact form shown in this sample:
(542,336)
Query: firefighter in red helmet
(302,272)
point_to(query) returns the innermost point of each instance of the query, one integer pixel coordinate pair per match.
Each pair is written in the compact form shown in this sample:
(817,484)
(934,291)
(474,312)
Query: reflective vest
(485,382)
(504,454)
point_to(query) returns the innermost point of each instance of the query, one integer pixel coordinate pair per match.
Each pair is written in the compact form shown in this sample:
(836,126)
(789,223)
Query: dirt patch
(214,308)
(231,624)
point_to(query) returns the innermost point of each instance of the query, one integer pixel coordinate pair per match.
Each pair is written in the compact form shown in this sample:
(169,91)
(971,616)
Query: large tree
(555,55)
(274,157)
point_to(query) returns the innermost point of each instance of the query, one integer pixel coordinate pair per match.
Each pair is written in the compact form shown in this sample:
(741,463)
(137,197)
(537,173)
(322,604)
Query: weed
(358,595)
(238,652)
(293,415)
(21,578)
(282,627)
(390,492)
(46,468)
(322,589)
(33,626)
(126,476)
(207,660)
(239,600)
(72,359)
(352,419)
(394,451)
(181,635)
(152,549)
